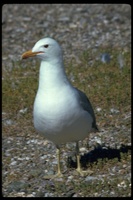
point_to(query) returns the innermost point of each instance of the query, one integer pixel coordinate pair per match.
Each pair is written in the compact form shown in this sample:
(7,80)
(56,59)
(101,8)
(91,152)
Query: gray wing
(86,105)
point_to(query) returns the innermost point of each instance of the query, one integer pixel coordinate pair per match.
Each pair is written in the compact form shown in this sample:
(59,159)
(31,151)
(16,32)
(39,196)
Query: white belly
(61,120)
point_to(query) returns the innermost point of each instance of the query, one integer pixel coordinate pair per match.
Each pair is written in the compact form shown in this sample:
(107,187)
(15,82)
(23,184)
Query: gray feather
(86,105)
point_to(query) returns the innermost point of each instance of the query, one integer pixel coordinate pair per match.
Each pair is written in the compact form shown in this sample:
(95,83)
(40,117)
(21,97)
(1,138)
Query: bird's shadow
(99,152)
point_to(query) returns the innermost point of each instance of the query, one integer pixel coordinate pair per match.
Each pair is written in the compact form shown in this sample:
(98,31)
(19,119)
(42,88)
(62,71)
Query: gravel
(26,160)
(77,27)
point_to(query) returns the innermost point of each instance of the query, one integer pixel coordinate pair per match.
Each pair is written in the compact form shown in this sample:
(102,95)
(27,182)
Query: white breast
(59,117)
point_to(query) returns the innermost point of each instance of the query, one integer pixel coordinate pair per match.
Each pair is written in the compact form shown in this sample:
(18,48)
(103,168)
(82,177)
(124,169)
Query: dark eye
(46,45)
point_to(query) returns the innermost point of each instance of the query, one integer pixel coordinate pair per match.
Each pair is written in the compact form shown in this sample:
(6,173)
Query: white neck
(52,76)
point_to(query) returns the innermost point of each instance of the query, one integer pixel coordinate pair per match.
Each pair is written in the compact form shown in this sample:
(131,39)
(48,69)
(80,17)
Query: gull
(61,113)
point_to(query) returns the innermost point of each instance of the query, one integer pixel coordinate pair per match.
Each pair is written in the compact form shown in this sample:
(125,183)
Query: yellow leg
(82,173)
(59,174)
(78,164)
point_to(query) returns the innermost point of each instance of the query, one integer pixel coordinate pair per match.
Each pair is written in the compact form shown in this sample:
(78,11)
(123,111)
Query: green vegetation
(108,87)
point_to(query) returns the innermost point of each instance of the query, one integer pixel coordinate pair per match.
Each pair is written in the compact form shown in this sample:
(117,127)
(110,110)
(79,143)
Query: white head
(47,49)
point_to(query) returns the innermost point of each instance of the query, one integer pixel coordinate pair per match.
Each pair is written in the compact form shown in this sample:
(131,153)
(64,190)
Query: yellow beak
(29,53)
